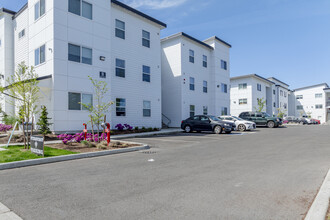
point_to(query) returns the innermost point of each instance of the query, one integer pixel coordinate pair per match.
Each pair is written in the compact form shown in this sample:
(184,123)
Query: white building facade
(68,40)
(246,90)
(195,77)
(313,101)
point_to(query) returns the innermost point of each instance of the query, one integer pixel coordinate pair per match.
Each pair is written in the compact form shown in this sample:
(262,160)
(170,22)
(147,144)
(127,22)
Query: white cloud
(155,4)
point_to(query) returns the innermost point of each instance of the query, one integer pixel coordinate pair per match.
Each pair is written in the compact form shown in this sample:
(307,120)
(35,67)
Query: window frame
(121,107)
(259,87)
(224,65)
(192,109)
(191,56)
(300,107)
(318,95)
(243,87)
(319,106)
(205,110)
(224,111)
(205,86)
(299,97)
(146,109)
(205,61)
(146,39)
(81,106)
(40,15)
(81,14)
(81,48)
(123,30)
(192,83)
(243,101)
(148,75)
(224,88)
(119,67)
(21,34)
(39,55)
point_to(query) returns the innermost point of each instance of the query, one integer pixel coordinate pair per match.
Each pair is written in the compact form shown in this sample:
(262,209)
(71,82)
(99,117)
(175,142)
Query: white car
(241,124)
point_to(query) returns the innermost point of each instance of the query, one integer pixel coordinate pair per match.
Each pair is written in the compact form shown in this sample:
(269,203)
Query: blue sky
(287,39)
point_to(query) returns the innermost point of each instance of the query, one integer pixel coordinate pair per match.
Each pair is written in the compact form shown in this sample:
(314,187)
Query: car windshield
(214,118)
(237,118)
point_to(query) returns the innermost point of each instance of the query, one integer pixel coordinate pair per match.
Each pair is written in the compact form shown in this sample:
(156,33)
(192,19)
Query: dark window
(87,56)
(204,118)
(205,110)
(192,110)
(39,55)
(74,101)
(205,86)
(223,64)
(146,39)
(223,88)
(74,6)
(74,53)
(204,61)
(120,29)
(120,107)
(120,68)
(192,83)
(39,9)
(146,73)
(146,109)
(259,87)
(274,92)
(224,110)
(87,10)
(242,86)
(191,56)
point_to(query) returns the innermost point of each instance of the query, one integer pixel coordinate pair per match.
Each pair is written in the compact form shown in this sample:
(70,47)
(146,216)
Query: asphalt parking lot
(265,174)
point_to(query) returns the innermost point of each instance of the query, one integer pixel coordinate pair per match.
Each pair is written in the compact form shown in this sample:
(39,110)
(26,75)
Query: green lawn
(15,153)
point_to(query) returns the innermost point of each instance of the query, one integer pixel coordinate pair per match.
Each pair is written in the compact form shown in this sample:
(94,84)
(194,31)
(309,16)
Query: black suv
(261,119)
(206,123)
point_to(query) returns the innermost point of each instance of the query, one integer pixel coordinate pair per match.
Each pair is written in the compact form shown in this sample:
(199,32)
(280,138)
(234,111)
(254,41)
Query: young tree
(280,113)
(101,107)
(43,122)
(261,105)
(23,87)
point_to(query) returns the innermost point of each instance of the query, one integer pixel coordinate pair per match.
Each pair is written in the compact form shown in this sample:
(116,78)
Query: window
(204,61)
(146,73)
(192,110)
(318,106)
(274,105)
(300,97)
(300,107)
(204,118)
(285,94)
(21,34)
(146,109)
(80,54)
(205,86)
(285,106)
(274,92)
(223,65)
(87,100)
(281,92)
(120,107)
(318,95)
(205,110)
(223,88)
(74,101)
(87,10)
(191,56)
(242,101)
(146,39)
(39,55)
(39,9)
(224,110)
(78,101)
(192,83)
(120,68)
(87,55)
(259,87)
(81,8)
(242,86)
(120,29)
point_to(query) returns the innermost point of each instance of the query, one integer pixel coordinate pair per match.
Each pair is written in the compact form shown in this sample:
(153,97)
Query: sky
(286,39)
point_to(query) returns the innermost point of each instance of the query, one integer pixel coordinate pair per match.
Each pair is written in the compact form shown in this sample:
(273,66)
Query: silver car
(241,124)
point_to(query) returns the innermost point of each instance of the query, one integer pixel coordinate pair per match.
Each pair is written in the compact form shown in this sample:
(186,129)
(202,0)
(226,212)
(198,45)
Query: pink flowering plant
(5,128)
(78,137)
(121,127)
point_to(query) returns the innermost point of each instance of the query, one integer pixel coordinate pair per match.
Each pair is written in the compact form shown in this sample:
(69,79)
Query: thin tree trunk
(24,134)
(92,130)
(31,127)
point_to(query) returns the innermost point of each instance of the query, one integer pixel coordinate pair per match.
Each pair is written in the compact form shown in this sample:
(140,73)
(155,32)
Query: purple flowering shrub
(68,138)
(5,128)
(121,127)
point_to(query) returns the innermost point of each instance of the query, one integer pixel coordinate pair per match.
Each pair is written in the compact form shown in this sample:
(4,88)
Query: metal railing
(165,120)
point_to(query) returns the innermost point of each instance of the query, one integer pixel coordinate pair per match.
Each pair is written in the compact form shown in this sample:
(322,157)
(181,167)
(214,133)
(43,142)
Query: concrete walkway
(6,214)
(115,137)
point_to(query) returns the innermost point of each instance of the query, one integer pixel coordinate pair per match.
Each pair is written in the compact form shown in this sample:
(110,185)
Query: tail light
(181,122)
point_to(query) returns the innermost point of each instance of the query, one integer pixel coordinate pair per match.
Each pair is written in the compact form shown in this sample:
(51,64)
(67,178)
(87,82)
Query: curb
(319,208)
(34,162)
(144,135)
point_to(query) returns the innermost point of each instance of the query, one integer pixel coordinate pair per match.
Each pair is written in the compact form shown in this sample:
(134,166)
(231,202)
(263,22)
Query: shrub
(79,137)
(128,127)
(9,120)
(136,128)
(156,129)
(149,129)
(5,128)
(143,128)
(84,143)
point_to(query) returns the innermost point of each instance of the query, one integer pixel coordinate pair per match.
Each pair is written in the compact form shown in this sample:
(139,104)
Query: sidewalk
(117,137)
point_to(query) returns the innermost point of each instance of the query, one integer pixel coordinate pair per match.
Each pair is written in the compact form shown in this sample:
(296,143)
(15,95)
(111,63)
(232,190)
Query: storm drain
(148,152)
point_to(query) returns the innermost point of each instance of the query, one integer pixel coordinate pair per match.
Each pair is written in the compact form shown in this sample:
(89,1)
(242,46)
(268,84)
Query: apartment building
(195,77)
(69,40)
(282,92)
(246,90)
(313,101)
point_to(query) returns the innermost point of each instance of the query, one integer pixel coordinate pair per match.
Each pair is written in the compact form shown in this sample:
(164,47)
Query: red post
(85,131)
(108,133)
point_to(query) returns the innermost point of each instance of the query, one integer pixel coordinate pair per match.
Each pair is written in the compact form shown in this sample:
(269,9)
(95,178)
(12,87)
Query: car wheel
(270,124)
(187,129)
(217,129)
(241,127)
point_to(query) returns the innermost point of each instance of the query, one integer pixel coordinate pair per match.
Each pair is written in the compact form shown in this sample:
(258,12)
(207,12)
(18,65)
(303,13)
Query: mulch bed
(80,148)
(20,139)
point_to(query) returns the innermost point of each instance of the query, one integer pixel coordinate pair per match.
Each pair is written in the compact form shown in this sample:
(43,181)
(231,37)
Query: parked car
(308,120)
(261,119)
(206,123)
(291,119)
(241,124)
(302,121)
(315,121)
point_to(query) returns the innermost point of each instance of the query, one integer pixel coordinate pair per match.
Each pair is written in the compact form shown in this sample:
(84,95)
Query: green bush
(136,128)
(143,128)
(84,143)
(156,129)
(150,129)
(9,120)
